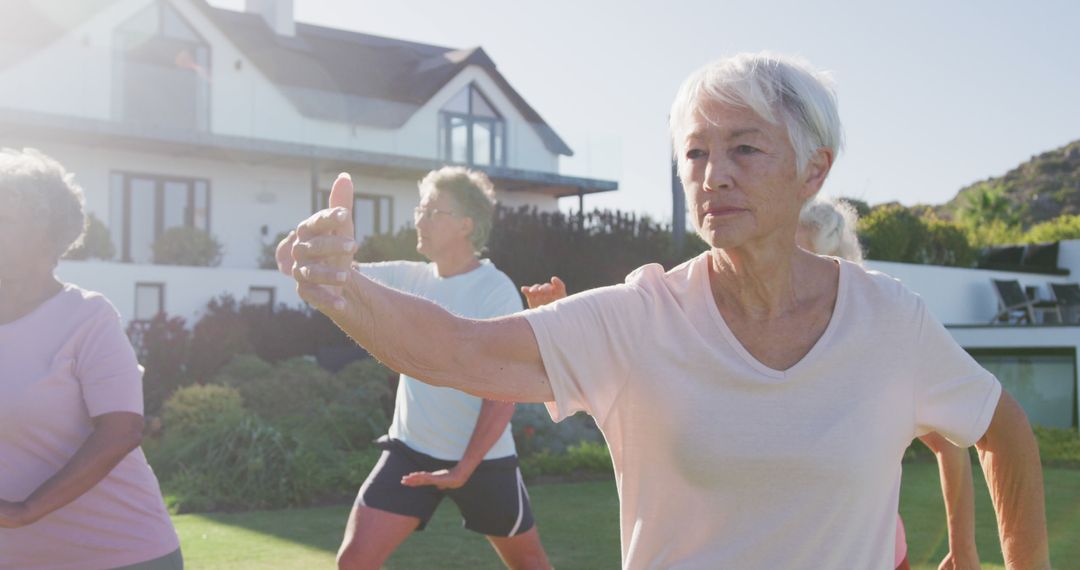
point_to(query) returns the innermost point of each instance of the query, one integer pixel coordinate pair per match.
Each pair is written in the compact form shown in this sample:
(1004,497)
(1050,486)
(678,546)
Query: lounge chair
(1068,300)
(1014,306)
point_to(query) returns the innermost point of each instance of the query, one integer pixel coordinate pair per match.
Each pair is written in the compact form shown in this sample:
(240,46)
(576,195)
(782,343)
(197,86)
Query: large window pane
(480,106)
(141,219)
(201,214)
(176,205)
(459,140)
(116,211)
(1044,384)
(482,138)
(364,215)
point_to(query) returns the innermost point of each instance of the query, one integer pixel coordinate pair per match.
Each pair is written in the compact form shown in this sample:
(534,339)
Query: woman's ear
(817,169)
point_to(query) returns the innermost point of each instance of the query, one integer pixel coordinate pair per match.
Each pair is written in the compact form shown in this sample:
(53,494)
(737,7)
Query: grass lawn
(579,526)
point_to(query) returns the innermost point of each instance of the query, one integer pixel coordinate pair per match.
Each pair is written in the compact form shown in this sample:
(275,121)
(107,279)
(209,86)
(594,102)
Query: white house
(178,113)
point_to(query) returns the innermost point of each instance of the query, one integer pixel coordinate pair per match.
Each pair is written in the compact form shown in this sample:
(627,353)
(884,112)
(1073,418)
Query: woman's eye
(695,153)
(746,149)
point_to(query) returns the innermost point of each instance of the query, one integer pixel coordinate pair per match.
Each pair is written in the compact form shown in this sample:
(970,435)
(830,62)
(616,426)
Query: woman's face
(740,177)
(24,242)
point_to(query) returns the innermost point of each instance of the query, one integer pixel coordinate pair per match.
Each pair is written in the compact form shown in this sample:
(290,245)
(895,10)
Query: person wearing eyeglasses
(443,442)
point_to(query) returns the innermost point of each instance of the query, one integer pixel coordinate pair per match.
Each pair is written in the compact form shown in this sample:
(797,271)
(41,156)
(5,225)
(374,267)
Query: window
(149,300)
(1042,380)
(161,71)
(260,296)
(471,131)
(372,214)
(143,206)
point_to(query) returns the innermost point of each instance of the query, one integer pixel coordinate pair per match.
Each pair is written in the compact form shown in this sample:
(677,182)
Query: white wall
(962,296)
(187,289)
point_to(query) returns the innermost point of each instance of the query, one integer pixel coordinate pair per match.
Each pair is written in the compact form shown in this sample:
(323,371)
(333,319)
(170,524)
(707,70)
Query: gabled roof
(326,73)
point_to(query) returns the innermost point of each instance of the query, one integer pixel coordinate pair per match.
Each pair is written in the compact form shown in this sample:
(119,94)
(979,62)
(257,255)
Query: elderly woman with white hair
(756,399)
(75,488)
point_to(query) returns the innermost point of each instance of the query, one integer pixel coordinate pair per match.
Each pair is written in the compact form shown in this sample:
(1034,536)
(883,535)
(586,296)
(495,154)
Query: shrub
(184,245)
(583,460)
(1058,446)
(161,345)
(389,247)
(1060,228)
(292,387)
(534,432)
(947,244)
(219,335)
(96,242)
(893,233)
(267,259)
(192,408)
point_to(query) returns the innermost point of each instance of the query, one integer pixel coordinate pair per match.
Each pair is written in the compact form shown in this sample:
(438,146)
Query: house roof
(326,73)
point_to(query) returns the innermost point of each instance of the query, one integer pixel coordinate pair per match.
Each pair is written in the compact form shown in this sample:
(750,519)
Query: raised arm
(1010,459)
(954,465)
(496,359)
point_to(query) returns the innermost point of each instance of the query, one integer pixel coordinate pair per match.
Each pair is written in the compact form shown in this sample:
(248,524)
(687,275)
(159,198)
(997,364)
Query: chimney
(277,13)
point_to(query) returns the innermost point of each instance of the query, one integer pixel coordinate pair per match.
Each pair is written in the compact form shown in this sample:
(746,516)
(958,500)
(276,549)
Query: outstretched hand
(321,250)
(544,293)
(442,479)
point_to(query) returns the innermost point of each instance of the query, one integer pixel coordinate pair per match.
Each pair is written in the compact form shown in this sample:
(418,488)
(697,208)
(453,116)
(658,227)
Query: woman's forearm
(496,359)
(115,435)
(954,466)
(1010,460)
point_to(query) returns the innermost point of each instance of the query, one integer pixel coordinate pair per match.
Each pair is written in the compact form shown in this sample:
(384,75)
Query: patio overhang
(16,124)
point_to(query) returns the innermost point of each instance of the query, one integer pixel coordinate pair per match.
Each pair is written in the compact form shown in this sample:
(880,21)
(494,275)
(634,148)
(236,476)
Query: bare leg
(371,536)
(521,552)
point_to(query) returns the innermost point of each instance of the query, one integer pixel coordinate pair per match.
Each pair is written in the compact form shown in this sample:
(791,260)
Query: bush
(219,335)
(267,259)
(96,242)
(184,245)
(893,233)
(534,432)
(161,345)
(292,387)
(1058,229)
(947,244)
(192,408)
(389,247)
(584,460)
(1059,447)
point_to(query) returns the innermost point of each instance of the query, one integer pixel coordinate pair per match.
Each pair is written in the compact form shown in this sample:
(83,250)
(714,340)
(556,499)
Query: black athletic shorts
(493,502)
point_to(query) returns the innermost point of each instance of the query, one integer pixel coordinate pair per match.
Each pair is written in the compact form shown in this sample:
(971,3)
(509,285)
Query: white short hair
(38,182)
(831,225)
(779,88)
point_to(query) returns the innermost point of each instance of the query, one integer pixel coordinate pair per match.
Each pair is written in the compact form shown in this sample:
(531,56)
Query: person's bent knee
(353,557)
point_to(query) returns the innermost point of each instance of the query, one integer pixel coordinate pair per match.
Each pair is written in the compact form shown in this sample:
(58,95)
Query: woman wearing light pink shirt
(75,489)
(757,399)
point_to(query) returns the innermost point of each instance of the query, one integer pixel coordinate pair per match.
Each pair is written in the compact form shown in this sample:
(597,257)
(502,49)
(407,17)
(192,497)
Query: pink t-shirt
(63,364)
(723,462)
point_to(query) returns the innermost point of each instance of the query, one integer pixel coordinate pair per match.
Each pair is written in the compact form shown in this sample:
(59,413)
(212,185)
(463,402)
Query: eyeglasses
(419,212)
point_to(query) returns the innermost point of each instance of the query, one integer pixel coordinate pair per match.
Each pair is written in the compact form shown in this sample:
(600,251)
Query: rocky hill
(1040,189)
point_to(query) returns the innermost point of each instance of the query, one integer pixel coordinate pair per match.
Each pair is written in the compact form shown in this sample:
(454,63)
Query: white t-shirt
(722,462)
(440,421)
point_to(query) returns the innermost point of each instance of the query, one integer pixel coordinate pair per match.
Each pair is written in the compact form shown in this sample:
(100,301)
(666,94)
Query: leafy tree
(987,203)
(1057,229)
(893,233)
(266,256)
(161,345)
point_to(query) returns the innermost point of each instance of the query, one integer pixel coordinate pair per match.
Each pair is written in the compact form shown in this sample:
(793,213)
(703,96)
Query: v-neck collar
(772,373)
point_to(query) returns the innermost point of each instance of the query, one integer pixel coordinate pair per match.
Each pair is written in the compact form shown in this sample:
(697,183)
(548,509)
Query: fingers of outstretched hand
(331,221)
(418,479)
(283,254)
(341,193)
(323,247)
(321,297)
(320,274)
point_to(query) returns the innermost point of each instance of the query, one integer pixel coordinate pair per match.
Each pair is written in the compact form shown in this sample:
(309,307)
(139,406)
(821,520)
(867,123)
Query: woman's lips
(724,211)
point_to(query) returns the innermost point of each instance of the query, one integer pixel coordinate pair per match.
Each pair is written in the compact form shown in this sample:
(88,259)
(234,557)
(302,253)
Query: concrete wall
(964,296)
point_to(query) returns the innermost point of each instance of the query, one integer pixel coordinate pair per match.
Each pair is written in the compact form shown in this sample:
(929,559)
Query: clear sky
(934,94)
